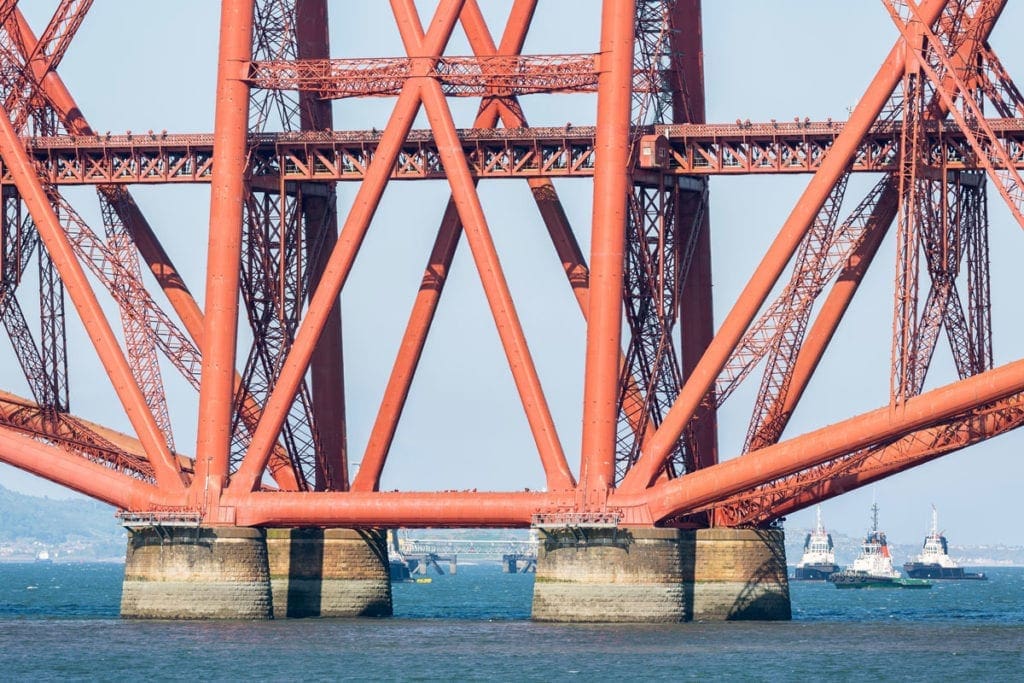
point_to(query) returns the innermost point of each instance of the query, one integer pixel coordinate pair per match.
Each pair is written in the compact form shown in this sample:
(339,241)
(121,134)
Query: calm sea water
(61,622)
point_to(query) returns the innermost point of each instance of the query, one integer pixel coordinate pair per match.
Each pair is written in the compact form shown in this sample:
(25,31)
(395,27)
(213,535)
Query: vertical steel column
(320,214)
(607,251)
(696,314)
(227,193)
(775,259)
(340,261)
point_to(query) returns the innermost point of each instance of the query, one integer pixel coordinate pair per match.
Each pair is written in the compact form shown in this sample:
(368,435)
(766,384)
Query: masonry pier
(195,572)
(182,571)
(329,572)
(600,574)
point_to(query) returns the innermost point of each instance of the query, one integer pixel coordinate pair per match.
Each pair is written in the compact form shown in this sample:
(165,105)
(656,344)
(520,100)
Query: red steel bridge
(940,126)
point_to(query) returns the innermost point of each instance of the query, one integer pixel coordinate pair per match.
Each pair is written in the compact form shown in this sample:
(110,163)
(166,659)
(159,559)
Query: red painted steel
(107,348)
(502,75)
(321,216)
(920,122)
(181,352)
(216,388)
(607,251)
(754,294)
(495,287)
(87,158)
(696,317)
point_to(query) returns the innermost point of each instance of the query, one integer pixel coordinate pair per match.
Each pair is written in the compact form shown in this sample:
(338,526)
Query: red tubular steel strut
(650,259)
(753,295)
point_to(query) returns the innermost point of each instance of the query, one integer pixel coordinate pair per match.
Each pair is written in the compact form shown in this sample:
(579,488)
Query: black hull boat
(934,561)
(815,572)
(919,570)
(819,558)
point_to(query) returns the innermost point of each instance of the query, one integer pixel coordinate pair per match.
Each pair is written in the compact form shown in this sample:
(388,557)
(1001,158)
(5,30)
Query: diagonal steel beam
(92,315)
(343,255)
(772,265)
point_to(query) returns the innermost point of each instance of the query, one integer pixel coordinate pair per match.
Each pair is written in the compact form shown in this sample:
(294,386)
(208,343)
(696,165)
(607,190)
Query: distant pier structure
(416,555)
(519,563)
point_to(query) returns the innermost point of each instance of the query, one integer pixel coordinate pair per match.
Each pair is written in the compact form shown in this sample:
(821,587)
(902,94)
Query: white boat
(873,567)
(819,558)
(934,561)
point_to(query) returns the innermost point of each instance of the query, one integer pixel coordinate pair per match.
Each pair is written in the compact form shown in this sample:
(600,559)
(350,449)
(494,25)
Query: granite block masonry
(640,575)
(192,572)
(196,573)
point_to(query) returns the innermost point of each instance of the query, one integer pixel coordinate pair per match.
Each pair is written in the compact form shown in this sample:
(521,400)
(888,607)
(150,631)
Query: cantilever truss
(271,446)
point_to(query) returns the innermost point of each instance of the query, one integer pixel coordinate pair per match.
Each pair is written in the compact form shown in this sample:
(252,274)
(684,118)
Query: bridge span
(649,520)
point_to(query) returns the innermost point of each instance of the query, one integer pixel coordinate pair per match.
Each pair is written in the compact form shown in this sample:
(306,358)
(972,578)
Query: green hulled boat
(873,567)
(914,583)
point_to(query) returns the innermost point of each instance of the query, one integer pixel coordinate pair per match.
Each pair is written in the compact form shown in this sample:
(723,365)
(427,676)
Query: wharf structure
(266,514)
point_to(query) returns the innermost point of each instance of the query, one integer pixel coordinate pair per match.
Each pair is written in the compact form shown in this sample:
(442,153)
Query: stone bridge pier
(205,572)
(660,575)
(584,574)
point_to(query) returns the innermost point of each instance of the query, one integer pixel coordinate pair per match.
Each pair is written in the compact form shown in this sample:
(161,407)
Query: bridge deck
(564,151)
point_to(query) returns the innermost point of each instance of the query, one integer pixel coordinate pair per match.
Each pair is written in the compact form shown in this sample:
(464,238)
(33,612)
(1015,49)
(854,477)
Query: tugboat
(934,561)
(819,559)
(873,567)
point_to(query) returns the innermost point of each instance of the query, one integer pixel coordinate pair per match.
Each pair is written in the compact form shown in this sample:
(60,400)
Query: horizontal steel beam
(494,76)
(550,152)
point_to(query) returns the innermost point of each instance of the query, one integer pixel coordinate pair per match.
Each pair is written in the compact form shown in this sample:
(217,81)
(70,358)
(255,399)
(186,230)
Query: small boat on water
(819,558)
(934,561)
(873,567)
(43,556)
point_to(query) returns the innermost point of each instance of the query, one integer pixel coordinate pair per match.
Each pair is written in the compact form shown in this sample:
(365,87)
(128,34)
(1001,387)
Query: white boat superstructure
(874,560)
(819,558)
(818,548)
(934,561)
(935,550)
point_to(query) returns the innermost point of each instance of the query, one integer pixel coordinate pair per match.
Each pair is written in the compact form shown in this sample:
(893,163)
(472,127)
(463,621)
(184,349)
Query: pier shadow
(376,539)
(305,573)
(765,596)
(587,537)
(687,569)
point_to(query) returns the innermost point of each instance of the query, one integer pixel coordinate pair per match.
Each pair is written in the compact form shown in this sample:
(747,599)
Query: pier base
(329,573)
(196,573)
(660,575)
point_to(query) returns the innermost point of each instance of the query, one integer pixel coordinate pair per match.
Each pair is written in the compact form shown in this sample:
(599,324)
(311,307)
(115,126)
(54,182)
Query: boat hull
(847,580)
(918,570)
(814,572)
(863,582)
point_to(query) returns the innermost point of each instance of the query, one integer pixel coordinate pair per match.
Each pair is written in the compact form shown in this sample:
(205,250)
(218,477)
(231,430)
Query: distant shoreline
(32,560)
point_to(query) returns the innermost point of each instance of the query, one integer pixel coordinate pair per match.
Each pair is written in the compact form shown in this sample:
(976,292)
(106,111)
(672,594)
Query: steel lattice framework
(941,124)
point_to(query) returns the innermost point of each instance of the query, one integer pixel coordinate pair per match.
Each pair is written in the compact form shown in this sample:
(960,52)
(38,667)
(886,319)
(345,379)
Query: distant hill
(84,528)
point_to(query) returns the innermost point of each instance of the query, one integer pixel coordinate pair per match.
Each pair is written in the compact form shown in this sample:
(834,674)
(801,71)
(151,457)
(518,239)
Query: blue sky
(138,66)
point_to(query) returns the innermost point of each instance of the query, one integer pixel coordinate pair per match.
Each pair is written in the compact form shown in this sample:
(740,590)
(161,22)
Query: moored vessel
(819,558)
(934,561)
(873,567)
